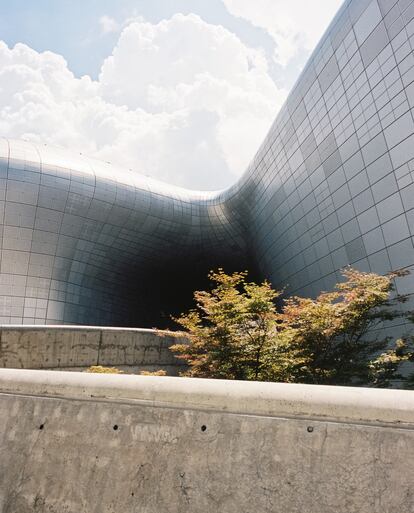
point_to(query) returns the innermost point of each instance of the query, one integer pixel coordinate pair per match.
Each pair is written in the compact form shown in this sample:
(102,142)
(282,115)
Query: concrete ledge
(89,443)
(64,347)
(346,404)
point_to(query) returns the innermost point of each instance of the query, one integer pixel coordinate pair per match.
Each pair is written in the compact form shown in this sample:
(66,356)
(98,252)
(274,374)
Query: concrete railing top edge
(70,327)
(340,404)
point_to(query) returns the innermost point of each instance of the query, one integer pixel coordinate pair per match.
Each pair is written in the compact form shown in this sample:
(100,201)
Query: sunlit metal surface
(85,242)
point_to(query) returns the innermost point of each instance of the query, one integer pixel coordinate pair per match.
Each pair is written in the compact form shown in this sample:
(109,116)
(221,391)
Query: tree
(236,332)
(338,337)
(232,330)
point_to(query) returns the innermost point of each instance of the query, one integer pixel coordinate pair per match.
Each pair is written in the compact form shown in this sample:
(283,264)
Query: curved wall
(84,242)
(131,350)
(332,184)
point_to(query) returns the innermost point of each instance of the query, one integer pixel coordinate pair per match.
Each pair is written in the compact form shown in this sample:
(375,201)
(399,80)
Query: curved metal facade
(87,243)
(332,184)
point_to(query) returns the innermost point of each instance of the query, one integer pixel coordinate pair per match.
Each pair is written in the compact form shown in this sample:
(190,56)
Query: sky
(180,90)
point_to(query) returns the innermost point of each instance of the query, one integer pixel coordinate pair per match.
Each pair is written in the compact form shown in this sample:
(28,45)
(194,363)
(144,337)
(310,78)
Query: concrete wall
(82,443)
(77,347)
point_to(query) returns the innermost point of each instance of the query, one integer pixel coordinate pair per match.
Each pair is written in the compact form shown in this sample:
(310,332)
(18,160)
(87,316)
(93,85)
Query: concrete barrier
(78,347)
(84,443)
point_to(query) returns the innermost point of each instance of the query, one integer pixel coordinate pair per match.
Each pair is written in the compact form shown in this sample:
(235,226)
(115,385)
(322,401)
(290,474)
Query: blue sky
(182,90)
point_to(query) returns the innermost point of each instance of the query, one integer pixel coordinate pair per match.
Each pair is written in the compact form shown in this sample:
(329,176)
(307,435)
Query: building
(332,184)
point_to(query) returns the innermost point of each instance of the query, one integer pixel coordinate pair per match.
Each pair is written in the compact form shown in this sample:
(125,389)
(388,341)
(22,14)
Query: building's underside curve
(84,242)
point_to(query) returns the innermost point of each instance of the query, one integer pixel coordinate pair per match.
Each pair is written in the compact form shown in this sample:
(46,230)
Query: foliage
(99,369)
(159,372)
(236,332)
(337,338)
(232,331)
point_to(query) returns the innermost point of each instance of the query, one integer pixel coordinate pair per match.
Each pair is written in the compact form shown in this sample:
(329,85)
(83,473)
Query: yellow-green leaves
(236,332)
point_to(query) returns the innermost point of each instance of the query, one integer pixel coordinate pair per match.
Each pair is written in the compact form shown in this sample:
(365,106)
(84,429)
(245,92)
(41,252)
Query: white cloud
(108,25)
(182,100)
(294,25)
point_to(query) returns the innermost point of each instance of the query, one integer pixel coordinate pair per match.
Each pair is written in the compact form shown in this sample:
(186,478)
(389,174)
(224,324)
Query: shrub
(99,369)
(159,372)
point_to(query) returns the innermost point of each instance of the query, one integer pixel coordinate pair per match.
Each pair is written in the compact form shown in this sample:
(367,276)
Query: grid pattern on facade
(333,180)
(331,185)
(79,237)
